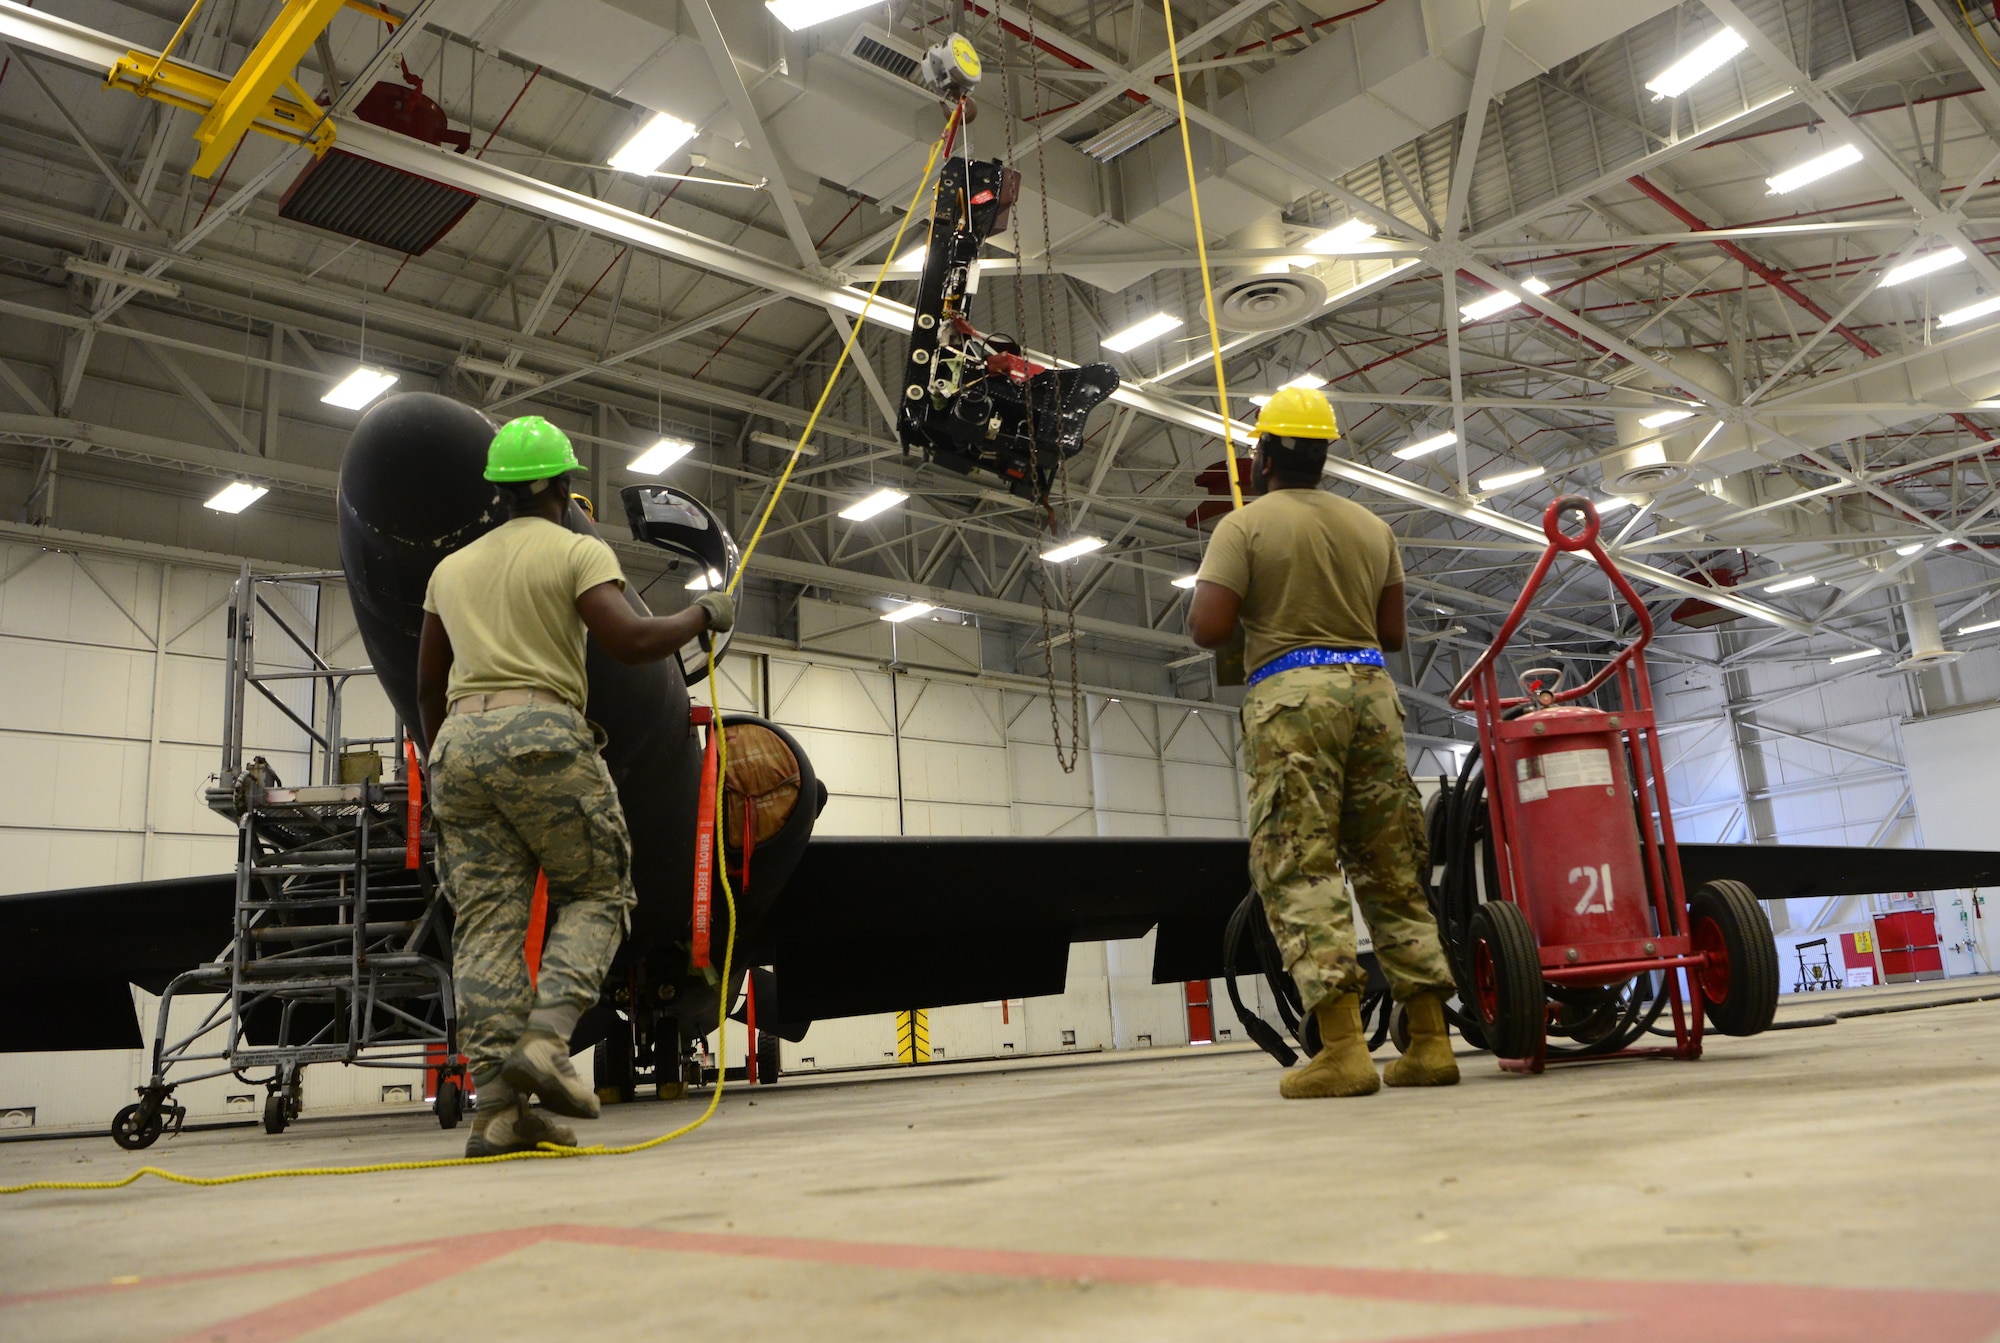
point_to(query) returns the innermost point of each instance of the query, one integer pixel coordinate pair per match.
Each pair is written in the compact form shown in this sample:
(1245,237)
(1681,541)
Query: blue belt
(1319,657)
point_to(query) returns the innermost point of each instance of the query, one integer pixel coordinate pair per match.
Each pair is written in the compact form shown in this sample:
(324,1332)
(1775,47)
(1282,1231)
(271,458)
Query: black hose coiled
(1598,1020)
(1248,935)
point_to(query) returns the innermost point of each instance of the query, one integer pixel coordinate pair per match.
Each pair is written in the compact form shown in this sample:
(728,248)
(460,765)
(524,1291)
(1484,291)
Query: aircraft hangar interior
(1166,560)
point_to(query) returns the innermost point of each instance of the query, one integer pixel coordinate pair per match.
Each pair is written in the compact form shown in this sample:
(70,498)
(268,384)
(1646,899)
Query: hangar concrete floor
(1833,1183)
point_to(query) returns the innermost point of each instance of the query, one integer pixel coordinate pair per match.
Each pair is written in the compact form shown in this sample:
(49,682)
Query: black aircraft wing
(67,958)
(879,925)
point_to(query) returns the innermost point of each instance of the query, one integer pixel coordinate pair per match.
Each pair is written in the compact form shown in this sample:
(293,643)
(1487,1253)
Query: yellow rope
(548,1151)
(1201,249)
(1974,30)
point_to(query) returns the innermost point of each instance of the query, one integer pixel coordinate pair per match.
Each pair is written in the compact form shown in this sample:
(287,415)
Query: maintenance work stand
(340,945)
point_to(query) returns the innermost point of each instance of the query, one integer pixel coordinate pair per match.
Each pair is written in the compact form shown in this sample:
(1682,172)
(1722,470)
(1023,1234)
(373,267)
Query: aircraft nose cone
(414,465)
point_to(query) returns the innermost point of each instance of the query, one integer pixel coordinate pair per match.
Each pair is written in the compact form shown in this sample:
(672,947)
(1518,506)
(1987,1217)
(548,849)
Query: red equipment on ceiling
(359,198)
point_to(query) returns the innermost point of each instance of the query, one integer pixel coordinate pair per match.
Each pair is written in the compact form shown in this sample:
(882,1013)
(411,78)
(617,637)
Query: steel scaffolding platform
(340,950)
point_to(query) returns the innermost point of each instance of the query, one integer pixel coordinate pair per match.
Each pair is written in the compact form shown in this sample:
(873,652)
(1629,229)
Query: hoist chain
(1065,757)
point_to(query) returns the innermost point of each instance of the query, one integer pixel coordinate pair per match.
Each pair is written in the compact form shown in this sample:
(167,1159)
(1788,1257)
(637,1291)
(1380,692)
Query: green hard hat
(529,448)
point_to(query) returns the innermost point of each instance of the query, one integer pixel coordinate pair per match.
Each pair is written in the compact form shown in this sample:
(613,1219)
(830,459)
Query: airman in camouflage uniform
(516,791)
(1315,583)
(518,786)
(1318,812)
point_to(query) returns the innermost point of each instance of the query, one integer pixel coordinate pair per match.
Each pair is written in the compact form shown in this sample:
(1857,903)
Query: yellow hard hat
(1296,412)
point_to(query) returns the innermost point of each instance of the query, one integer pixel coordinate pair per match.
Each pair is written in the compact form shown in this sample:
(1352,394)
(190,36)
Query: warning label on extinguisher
(1538,775)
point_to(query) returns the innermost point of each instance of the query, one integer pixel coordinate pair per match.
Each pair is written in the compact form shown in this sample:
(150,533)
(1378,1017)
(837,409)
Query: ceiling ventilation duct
(1920,618)
(876,50)
(1657,456)
(1269,295)
(360,198)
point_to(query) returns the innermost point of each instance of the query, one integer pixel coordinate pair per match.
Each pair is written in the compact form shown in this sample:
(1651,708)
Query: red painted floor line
(1633,1312)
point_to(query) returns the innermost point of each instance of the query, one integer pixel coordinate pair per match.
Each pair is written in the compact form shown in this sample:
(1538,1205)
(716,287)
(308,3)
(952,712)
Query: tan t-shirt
(508,601)
(1310,567)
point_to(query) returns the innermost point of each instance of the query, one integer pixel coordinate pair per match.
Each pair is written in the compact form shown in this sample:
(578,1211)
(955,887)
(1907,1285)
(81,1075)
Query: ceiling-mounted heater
(360,198)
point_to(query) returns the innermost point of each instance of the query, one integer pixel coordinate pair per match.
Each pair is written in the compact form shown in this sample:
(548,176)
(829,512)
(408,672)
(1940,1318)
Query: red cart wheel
(1507,988)
(1739,984)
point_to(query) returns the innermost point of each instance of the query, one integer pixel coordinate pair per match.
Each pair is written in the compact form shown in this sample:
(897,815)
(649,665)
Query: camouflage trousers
(515,791)
(1330,795)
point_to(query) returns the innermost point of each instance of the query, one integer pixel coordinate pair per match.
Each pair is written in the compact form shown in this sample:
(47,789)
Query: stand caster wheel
(1399,1028)
(137,1127)
(450,1105)
(277,1114)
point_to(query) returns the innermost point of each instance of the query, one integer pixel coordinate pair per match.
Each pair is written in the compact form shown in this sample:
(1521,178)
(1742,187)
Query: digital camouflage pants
(1330,793)
(515,791)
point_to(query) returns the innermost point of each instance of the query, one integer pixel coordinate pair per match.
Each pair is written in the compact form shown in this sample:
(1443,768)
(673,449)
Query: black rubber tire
(767,1058)
(450,1104)
(136,1127)
(276,1113)
(1740,996)
(1513,1007)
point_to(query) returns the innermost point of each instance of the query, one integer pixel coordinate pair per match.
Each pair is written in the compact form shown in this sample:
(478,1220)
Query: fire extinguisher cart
(1583,917)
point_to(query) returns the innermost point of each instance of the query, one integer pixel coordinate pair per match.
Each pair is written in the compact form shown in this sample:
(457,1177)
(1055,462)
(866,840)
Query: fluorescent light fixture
(879,502)
(1511,478)
(1980,628)
(486,368)
(1823,165)
(1129,133)
(910,612)
(1310,382)
(1918,267)
(97,270)
(1499,301)
(1971,312)
(1141,332)
(1612,503)
(914,258)
(360,387)
(1857,656)
(1424,447)
(652,144)
(1342,235)
(1697,65)
(1911,548)
(1069,550)
(660,456)
(797,14)
(1791,584)
(1185,581)
(1660,419)
(1261,399)
(236,496)
(703,582)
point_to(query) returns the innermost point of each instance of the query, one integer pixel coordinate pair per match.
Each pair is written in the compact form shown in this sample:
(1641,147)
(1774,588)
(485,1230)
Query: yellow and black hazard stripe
(913,1036)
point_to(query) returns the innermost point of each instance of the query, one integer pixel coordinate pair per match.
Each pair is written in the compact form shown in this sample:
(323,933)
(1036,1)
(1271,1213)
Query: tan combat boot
(540,1066)
(1428,1061)
(515,1127)
(1342,1066)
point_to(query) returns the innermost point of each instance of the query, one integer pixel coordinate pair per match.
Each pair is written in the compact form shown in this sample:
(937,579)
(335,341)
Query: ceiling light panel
(1697,65)
(1662,418)
(1928,264)
(1424,447)
(1509,479)
(879,502)
(236,496)
(1141,332)
(1821,165)
(1129,133)
(909,612)
(1971,312)
(1499,301)
(1083,545)
(652,144)
(1342,236)
(359,388)
(660,456)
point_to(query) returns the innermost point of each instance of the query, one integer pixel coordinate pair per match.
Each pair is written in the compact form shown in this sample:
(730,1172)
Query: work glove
(721,611)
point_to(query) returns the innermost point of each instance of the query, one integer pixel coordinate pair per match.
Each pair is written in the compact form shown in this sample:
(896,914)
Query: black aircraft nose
(414,468)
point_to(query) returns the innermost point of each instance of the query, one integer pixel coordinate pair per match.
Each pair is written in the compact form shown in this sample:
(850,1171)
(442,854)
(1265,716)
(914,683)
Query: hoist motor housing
(973,401)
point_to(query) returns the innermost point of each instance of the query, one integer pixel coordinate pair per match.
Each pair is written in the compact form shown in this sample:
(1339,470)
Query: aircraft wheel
(276,1113)
(136,1127)
(1739,985)
(1508,994)
(450,1106)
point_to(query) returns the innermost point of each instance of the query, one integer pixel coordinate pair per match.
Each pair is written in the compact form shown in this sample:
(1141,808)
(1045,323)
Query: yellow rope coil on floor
(548,1151)
(1201,251)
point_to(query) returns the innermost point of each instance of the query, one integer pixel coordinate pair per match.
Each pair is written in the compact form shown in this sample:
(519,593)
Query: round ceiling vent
(1935,658)
(1268,302)
(1647,478)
